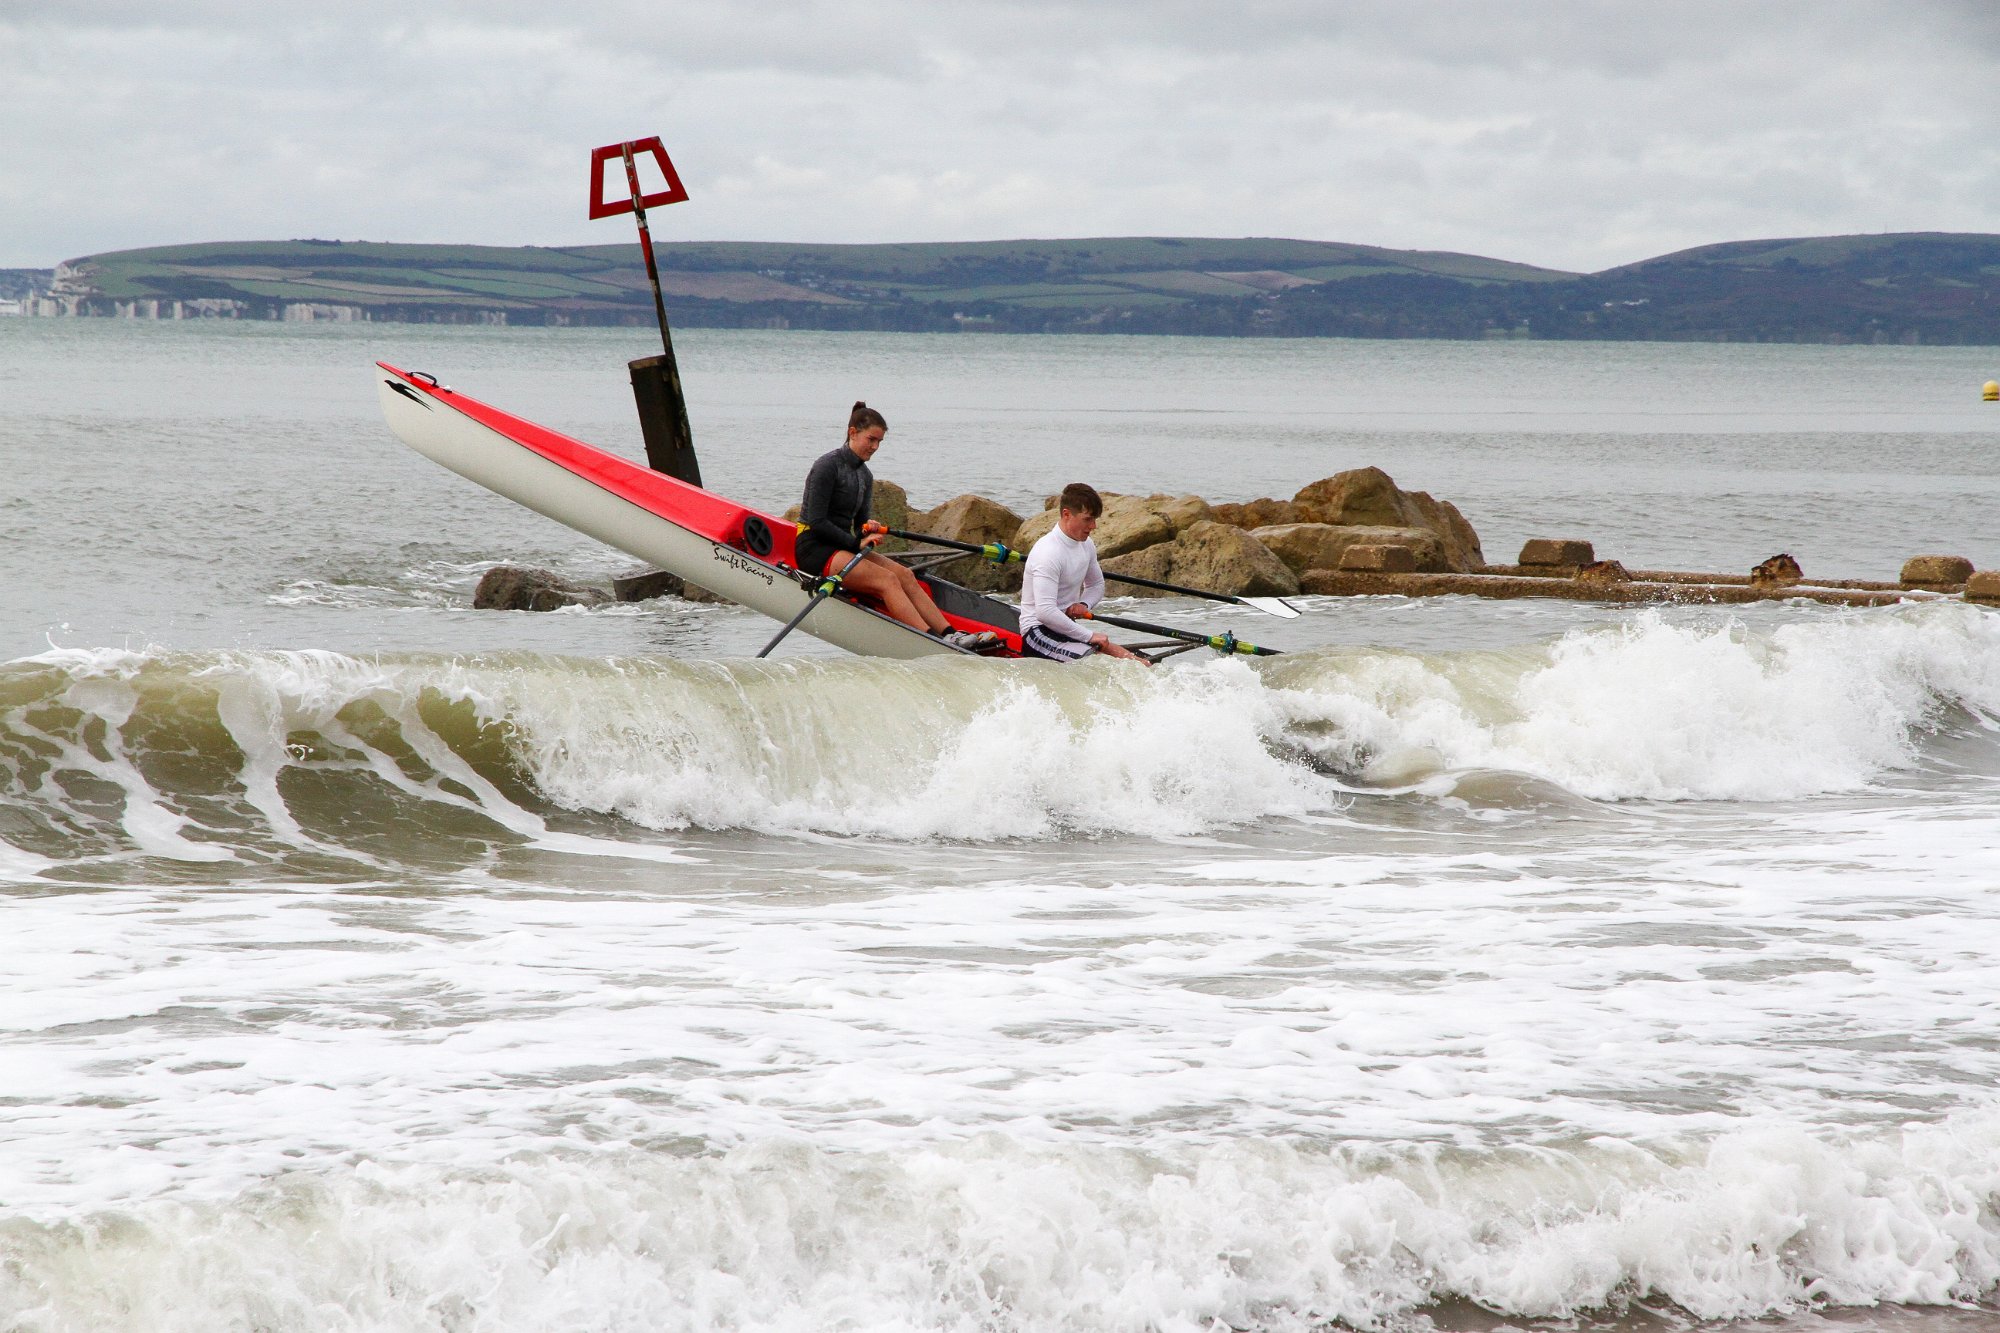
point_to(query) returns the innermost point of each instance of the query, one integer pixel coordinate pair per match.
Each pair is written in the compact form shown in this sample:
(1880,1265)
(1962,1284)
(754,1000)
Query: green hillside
(1915,287)
(924,285)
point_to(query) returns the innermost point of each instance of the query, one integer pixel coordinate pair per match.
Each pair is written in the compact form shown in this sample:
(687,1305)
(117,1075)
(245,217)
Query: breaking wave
(224,757)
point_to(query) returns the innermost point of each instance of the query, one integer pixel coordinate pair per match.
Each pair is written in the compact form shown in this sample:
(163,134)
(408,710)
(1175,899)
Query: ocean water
(372,963)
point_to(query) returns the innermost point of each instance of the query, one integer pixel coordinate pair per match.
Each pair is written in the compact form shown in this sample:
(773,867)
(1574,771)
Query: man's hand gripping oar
(874,533)
(1000,553)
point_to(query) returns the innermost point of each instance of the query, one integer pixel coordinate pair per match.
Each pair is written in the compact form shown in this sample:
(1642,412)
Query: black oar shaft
(824,591)
(1169,587)
(1222,643)
(998,552)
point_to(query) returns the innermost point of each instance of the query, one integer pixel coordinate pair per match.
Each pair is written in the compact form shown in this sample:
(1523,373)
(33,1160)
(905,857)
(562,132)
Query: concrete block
(1380,559)
(1552,551)
(1936,571)
(1984,587)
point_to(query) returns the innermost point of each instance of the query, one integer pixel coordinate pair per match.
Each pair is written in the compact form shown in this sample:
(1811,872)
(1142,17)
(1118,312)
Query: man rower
(1062,580)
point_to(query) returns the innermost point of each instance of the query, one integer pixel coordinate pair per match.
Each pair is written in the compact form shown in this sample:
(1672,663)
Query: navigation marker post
(656,380)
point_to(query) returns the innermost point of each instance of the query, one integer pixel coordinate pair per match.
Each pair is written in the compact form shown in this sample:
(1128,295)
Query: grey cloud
(1578,134)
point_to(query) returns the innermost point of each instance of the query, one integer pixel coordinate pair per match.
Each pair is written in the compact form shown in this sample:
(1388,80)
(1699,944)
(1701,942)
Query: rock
(1364,497)
(1983,587)
(645,584)
(976,519)
(1936,571)
(1155,562)
(1252,514)
(1461,543)
(1211,556)
(1130,523)
(1380,559)
(1777,572)
(1550,552)
(1368,497)
(695,593)
(1304,546)
(891,508)
(515,588)
(1182,511)
(1602,571)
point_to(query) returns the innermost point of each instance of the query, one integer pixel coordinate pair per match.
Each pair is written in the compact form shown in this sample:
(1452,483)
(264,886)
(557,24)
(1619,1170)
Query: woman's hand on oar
(1000,553)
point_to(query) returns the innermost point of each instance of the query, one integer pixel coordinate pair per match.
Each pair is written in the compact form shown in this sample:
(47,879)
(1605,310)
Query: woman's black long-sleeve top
(839,491)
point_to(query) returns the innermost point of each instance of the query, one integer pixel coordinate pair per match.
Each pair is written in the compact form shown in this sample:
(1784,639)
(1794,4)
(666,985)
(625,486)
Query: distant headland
(1919,287)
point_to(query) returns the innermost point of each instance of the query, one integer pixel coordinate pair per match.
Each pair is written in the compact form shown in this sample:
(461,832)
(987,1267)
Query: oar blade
(1271,606)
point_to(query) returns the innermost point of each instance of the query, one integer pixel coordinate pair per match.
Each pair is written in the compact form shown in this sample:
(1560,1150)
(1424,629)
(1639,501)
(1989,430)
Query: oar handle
(1224,642)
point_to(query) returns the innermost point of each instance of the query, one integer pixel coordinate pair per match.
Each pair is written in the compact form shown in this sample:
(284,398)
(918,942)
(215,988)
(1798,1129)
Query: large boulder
(975,519)
(1461,543)
(519,588)
(1129,523)
(1262,513)
(1363,497)
(1182,511)
(1304,546)
(1368,497)
(1211,556)
(891,508)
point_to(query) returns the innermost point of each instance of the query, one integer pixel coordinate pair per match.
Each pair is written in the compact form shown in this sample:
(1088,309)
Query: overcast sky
(1577,134)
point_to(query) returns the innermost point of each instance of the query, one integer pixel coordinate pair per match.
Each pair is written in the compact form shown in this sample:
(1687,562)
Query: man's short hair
(1081,499)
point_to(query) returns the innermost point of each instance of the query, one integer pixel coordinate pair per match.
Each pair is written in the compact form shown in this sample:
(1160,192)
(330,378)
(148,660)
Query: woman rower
(834,514)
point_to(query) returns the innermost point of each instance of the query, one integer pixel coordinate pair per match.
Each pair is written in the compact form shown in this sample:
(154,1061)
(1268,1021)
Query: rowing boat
(704,538)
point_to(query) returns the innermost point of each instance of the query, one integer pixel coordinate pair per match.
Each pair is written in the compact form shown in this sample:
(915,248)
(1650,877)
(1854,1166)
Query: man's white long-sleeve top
(1059,573)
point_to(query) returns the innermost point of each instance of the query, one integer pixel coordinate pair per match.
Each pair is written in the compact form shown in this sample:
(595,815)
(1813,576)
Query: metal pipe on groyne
(1568,570)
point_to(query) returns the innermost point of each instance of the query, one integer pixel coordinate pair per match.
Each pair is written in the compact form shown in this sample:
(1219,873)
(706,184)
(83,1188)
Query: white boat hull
(426,418)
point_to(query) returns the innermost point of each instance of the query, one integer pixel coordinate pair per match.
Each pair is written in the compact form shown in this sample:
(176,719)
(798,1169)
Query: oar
(1224,642)
(1000,553)
(1270,606)
(825,590)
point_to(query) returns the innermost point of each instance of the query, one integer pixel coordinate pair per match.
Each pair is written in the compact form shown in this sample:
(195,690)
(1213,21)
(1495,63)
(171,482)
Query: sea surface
(371,963)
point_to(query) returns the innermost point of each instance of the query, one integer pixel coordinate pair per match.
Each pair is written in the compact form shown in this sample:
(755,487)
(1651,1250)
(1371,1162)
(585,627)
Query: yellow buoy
(1993,391)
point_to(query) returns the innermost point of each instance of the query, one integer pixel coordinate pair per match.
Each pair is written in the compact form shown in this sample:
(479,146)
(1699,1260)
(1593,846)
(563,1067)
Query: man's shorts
(1038,642)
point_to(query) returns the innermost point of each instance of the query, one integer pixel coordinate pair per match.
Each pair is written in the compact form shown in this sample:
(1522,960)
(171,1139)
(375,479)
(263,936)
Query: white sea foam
(1656,710)
(1485,997)
(994,1234)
